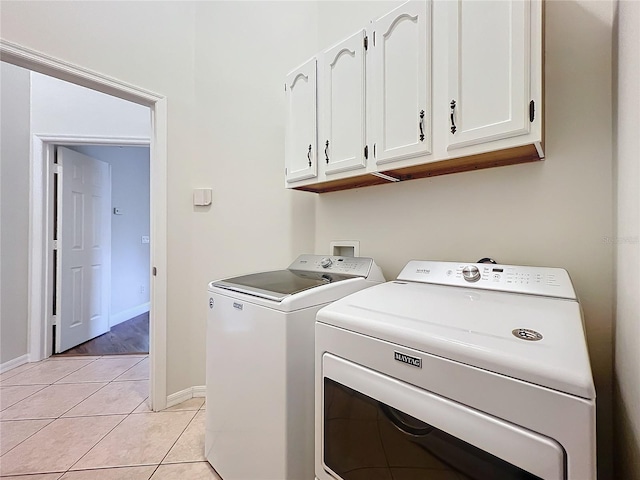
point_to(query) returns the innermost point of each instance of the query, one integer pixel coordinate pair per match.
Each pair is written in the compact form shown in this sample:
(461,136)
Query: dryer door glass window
(365,438)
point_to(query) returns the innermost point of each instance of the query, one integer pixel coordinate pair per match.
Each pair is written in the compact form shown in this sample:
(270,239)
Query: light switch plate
(202,197)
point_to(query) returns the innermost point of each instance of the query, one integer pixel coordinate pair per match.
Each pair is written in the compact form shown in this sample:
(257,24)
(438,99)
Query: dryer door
(376,427)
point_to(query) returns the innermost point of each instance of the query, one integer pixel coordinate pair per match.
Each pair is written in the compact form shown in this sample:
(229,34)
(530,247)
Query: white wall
(243,51)
(61,108)
(221,66)
(627,240)
(129,256)
(555,213)
(14,210)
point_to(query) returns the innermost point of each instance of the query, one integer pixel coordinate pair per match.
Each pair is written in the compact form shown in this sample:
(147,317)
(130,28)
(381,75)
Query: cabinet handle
(326,147)
(421,124)
(453,121)
(309,154)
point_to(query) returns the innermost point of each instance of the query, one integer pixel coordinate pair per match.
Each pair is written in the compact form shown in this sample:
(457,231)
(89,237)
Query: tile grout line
(59,417)
(30,395)
(18,373)
(24,440)
(95,360)
(53,419)
(128,369)
(173,445)
(114,427)
(42,362)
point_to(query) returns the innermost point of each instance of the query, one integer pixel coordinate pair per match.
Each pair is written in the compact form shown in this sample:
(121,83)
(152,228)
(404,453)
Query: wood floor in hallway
(130,337)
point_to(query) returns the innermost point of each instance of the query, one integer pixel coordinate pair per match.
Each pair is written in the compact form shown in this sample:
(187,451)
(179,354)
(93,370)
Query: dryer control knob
(471,273)
(326,262)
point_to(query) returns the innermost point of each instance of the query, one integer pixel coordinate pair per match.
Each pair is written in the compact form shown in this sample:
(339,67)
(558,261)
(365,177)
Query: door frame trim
(39,62)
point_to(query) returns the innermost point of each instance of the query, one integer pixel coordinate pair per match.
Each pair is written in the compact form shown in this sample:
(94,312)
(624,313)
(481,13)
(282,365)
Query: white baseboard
(16,362)
(128,314)
(199,391)
(186,394)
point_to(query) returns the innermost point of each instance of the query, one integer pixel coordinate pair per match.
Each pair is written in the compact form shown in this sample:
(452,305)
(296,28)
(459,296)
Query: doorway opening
(116,319)
(39,272)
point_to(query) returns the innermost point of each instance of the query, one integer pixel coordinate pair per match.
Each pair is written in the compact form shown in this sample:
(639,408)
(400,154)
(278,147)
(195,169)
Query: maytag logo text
(409,360)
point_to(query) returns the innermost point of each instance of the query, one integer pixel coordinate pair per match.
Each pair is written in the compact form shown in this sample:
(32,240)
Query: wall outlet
(145,239)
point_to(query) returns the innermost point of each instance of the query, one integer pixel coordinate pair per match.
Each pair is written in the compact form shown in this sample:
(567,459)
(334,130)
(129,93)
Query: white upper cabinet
(489,70)
(431,88)
(401,83)
(343,105)
(301,152)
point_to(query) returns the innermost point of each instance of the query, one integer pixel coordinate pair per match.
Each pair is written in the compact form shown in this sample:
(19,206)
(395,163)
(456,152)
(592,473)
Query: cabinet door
(402,82)
(342,103)
(489,53)
(300,134)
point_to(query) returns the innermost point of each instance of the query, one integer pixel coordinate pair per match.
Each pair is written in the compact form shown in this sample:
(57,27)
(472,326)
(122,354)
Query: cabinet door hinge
(55,244)
(366,43)
(54,320)
(532,110)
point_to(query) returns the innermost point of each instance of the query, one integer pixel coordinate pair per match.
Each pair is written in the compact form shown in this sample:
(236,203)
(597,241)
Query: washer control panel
(544,281)
(353,266)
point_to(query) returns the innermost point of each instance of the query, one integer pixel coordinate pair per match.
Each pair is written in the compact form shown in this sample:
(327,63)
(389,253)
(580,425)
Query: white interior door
(84,249)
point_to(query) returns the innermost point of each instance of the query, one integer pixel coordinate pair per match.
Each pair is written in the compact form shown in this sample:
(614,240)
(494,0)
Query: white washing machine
(456,371)
(260,364)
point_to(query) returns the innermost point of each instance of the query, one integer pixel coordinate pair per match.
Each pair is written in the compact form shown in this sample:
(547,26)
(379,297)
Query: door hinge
(55,244)
(57,168)
(366,152)
(54,320)
(366,43)
(155,271)
(532,110)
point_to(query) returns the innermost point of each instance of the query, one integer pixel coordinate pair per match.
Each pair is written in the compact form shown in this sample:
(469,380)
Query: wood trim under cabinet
(500,158)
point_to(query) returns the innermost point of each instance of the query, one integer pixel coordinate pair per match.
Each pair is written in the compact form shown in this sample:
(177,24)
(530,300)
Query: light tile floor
(87,418)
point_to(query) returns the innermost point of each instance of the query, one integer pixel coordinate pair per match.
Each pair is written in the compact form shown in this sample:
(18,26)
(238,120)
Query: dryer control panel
(352,266)
(543,281)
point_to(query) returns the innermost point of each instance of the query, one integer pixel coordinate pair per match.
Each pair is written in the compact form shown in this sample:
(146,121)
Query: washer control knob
(471,273)
(326,262)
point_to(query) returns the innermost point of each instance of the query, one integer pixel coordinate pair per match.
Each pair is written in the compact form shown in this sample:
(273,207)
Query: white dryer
(260,364)
(465,371)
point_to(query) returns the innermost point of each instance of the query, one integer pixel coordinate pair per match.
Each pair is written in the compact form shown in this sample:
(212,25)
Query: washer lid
(495,331)
(278,284)
(307,271)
